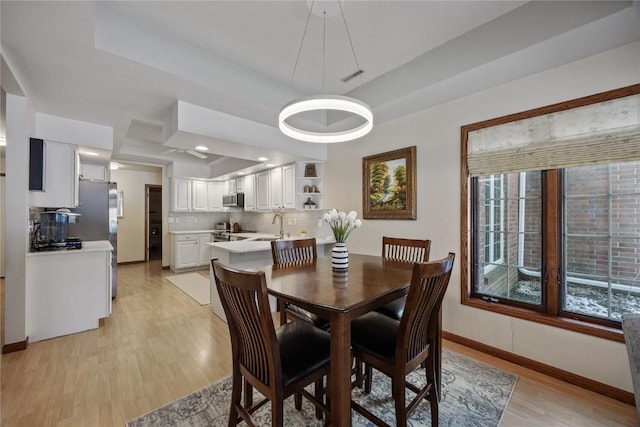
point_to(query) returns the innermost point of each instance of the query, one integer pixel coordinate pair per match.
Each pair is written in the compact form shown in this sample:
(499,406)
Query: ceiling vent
(352,76)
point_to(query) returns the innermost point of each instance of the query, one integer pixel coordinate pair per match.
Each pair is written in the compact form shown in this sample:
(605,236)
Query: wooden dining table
(369,283)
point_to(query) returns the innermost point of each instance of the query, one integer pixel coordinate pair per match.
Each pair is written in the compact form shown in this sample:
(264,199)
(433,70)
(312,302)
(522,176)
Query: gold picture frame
(389,185)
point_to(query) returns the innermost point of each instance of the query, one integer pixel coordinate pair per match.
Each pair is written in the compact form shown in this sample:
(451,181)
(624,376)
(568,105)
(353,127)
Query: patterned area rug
(474,394)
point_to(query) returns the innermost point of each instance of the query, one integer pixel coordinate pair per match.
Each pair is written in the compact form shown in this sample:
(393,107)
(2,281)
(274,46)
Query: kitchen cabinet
(240,185)
(275,184)
(181,195)
(310,184)
(289,186)
(189,250)
(283,187)
(249,188)
(204,249)
(229,187)
(263,190)
(186,253)
(93,172)
(61,174)
(74,297)
(199,196)
(214,195)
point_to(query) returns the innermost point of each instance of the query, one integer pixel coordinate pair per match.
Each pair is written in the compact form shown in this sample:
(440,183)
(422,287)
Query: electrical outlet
(319,223)
(290,221)
(170,220)
(295,221)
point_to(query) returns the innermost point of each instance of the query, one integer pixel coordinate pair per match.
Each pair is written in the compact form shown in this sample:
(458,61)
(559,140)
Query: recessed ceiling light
(92,153)
(202,148)
(269,165)
(262,159)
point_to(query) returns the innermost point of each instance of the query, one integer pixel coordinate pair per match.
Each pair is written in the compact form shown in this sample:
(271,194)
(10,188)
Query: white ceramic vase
(340,256)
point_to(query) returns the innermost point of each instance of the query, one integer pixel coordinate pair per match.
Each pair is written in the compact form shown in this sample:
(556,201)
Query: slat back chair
(260,356)
(410,250)
(396,348)
(399,249)
(292,252)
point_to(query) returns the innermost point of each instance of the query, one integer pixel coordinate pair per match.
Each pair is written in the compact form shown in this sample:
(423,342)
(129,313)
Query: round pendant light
(322,103)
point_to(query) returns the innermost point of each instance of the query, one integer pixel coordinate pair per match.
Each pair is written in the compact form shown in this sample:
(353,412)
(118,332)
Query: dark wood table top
(369,283)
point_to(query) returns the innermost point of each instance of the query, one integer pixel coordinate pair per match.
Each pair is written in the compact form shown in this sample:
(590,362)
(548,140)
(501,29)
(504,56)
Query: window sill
(574,325)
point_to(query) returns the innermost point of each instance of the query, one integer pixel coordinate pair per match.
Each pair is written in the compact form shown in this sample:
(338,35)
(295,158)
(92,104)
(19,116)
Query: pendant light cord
(353,50)
(295,67)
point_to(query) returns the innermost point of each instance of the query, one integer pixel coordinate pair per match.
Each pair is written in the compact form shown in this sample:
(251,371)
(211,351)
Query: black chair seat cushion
(394,309)
(375,334)
(303,349)
(309,317)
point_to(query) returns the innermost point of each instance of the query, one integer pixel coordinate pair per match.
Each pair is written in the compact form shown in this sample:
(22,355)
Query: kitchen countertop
(252,245)
(88,246)
(193,231)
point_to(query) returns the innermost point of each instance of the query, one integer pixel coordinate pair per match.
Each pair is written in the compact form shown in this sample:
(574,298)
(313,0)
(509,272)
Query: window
(551,213)
(493,219)
(601,240)
(511,217)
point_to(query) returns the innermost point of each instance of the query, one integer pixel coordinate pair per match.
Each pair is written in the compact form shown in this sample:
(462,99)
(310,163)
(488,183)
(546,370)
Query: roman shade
(604,132)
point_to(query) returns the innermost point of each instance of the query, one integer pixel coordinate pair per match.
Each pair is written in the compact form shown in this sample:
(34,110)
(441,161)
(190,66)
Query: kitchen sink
(265,239)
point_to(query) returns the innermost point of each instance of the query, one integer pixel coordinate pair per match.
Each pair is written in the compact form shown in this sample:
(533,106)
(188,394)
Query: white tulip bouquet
(342,224)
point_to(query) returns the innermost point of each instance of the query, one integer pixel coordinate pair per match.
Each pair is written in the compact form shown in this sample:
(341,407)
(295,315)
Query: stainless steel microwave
(233,200)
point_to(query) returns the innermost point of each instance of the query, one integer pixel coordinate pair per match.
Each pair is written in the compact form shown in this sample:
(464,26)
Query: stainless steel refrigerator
(99,220)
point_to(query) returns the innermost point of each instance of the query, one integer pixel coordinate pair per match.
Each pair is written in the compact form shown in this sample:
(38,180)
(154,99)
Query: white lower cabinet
(189,251)
(67,291)
(204,249)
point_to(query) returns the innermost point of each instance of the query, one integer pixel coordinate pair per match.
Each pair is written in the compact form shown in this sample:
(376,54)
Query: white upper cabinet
(283,187)
(199,201)
(181,195)
(240,185)
(93,172)
(289,186)
(263,199)
(249,188)
(61,174)
(214,195)
(275,179)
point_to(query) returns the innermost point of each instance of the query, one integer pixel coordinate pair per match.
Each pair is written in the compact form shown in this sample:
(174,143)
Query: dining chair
(294,252)
(397,347)
(278,363)
(399,249)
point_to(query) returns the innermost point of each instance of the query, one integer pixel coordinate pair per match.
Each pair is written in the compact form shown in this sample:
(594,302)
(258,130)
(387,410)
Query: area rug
(473,395)
(193,284)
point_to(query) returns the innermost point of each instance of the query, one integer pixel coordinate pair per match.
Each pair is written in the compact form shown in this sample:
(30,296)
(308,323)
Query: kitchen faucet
(281,225)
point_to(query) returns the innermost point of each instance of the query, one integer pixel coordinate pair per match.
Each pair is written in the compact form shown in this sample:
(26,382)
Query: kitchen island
(67,291)
(252,252)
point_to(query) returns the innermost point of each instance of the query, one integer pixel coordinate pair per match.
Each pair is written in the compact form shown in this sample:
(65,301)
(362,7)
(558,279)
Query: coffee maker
(52,231)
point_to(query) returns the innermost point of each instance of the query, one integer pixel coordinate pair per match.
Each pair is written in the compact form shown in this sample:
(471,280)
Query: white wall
(436,133)
(131,227)
(20,124)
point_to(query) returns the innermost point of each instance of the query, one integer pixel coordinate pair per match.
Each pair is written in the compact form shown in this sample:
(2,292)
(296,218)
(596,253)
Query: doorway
(153,222)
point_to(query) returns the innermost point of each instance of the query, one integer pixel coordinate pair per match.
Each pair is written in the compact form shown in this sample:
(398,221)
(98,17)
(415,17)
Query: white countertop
(90,246)
(251,245)
(191,231)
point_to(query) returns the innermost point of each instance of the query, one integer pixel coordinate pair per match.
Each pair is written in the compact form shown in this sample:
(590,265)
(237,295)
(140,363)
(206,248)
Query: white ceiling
(230,63)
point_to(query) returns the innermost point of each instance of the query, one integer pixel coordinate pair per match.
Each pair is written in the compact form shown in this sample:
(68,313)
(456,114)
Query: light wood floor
(159,345)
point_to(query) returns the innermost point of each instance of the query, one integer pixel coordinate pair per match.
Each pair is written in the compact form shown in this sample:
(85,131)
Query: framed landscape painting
(389,185)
